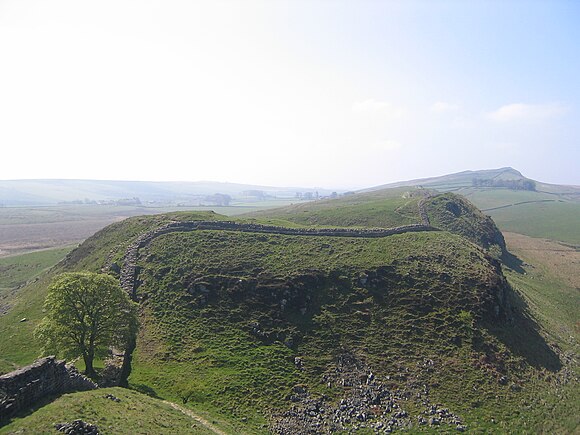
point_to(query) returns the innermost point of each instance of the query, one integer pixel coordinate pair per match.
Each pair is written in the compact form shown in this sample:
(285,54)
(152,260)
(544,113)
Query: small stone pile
(111,397)
(77,427)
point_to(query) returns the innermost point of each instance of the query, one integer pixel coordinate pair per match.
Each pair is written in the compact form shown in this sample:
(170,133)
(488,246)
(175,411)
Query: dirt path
(196,417)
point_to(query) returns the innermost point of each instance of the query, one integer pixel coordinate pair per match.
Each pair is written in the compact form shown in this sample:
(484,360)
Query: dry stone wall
(46,377)
(128,273)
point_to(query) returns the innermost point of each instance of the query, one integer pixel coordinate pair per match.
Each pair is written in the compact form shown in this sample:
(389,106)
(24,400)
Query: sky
(335,94)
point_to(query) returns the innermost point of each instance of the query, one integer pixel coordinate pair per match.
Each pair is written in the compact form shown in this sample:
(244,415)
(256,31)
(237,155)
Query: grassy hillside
(279,332)
(389,208)
(134,413)
(394,207)
(552,220)
(16,270)
(99,250)
(195,284)
(452,213)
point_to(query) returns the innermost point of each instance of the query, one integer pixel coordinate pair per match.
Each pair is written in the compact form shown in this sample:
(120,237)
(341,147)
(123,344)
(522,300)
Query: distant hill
(491,178)
(50,192)
(515,202)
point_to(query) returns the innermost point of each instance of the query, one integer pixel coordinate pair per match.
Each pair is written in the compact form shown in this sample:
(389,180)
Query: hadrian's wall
(128,271)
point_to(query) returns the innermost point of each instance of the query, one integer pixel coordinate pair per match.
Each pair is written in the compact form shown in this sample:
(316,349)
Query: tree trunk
(89,369)
(126,367)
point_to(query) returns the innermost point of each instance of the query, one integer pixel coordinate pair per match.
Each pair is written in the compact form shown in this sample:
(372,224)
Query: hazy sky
(310,93)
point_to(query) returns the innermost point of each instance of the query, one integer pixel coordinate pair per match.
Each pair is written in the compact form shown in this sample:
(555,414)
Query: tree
(86,313)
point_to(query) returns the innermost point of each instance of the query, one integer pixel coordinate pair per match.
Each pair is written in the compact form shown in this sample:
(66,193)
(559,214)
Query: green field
(551,220)
(490,198)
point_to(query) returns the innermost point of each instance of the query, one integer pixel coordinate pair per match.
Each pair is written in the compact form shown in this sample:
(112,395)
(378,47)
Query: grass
(452,213)
(18,346)
(28,229)
(196,346)
(552,220)
(385,209)
(17,270)
(486,198)
(394,207)
(27,303)
(136,413)
(536,214)
(212,252)
(217,337)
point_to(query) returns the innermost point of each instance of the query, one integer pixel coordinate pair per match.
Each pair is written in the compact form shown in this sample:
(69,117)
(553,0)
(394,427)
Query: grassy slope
(374,209)
(136,413)
(553,211)
(91,255)
(224,369)
(452,213)
(18,269)
(552,220)
(549,286)
(394,207)
(537,214)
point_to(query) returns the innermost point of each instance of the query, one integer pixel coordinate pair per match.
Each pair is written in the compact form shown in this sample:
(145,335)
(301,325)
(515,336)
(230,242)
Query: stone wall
(45,377)
(128,271)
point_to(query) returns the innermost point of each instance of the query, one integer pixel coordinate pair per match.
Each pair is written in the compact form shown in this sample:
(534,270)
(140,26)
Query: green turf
(201,352)
(18,346)
(203,291)
(550,220)
(136,413)
(375,209)
(27,303)
(18,269)
(489,198)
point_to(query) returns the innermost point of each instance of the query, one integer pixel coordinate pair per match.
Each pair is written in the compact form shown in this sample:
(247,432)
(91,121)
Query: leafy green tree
(86,313)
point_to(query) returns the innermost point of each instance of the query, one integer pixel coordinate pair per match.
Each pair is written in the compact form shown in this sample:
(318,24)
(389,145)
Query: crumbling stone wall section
(43,378)
(423,211)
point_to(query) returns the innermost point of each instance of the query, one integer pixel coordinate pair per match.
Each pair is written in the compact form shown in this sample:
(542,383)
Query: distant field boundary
(519,203)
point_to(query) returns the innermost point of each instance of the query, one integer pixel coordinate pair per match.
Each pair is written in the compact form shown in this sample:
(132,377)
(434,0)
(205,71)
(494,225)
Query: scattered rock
(111,397)
(298,362)
(77,427)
